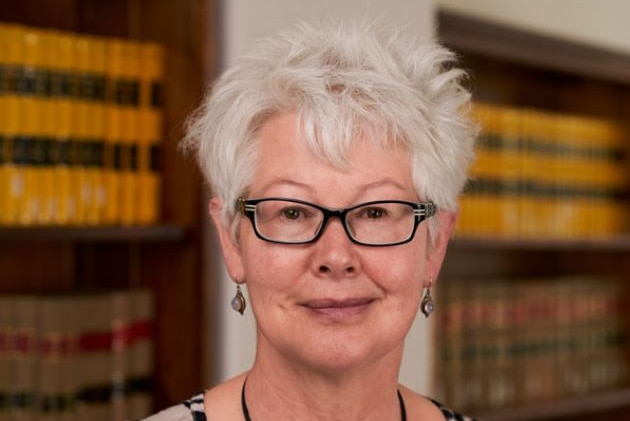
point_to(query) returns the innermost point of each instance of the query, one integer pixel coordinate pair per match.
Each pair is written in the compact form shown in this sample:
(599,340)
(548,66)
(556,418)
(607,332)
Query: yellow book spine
(538,157)
(65,105)
(13,171)
(468,221)
(497,172)
(35,127)
(129,87)
(94,93)
(5,67)
(150,134)
(81,182)
(509,132)
(540,173)
(46,165)
(113,131)
(620,176)
(28,128)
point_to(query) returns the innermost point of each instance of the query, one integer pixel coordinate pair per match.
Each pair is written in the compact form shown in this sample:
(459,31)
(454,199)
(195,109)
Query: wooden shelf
(518,68)
(94,234)
(620,243)
(166,258)
(561,408)
(470,35)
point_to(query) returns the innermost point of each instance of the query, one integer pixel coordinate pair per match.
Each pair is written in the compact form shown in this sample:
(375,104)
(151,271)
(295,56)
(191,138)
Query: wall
(241,22)
(602,23)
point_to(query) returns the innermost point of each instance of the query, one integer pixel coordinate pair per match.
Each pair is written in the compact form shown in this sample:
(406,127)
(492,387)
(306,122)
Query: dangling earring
(426,305)
(238,303)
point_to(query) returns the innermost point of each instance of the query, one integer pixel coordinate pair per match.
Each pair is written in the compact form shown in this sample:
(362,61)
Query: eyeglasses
(377,223)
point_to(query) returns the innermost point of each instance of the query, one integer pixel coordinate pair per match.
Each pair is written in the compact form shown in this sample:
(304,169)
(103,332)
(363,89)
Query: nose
(335,254)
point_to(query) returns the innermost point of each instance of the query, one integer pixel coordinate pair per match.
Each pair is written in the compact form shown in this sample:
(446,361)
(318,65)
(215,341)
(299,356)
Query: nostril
(350,270)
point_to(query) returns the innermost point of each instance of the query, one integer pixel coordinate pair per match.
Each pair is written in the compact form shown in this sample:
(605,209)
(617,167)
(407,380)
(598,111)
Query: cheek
(270,270)
(399,271)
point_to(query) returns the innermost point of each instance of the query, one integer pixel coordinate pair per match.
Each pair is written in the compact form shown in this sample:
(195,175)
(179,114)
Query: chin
(339,356)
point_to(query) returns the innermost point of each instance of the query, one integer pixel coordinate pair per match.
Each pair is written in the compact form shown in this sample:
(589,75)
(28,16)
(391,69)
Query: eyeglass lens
(377,223)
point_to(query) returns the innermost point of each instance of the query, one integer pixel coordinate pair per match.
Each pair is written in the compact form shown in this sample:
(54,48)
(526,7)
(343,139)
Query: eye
(373,213)
(292,213)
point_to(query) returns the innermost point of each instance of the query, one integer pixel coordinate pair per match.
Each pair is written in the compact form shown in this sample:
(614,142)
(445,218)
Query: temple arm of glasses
(427,211)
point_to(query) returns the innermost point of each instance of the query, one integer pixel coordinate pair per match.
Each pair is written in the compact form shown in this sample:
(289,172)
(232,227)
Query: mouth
(338,309)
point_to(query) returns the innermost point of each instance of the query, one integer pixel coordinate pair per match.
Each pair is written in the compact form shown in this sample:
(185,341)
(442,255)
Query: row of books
(80,128)
(540,173)
(84,356)
(515,342)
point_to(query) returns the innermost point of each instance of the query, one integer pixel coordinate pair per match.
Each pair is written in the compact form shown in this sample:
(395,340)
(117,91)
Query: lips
(337,304)
(334,310)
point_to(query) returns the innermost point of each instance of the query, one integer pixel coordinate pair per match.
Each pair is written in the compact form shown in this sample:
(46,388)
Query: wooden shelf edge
(619,243)
(95,234)
(468,34)
(619,398)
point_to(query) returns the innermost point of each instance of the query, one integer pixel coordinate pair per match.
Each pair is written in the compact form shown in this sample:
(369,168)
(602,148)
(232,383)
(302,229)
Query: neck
(283,391)
(247,416)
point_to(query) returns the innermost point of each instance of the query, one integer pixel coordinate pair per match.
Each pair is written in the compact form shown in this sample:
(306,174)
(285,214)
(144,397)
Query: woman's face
(331,304)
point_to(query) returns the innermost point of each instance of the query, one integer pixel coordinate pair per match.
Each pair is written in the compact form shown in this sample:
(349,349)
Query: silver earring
(426,305)
(238,303)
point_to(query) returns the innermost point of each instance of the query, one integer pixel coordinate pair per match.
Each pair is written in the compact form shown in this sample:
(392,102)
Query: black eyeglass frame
(421,210)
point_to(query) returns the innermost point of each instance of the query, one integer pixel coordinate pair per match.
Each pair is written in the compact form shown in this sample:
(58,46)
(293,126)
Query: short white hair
(343,81)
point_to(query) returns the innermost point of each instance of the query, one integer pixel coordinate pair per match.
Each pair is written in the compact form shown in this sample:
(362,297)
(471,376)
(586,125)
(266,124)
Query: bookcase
(514,68)
(164,257)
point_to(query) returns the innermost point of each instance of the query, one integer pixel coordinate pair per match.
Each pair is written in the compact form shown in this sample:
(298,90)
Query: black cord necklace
(403,411)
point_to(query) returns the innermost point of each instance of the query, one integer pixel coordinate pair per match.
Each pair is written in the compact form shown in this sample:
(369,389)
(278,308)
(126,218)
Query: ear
(436,250)
(230,249)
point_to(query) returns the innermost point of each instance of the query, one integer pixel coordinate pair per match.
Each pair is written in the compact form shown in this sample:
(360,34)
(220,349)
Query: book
(150,133)
(76,356)
(23,360)
(140,340)
(545,174)
(6,364)
(32,132)
(81,128)
(129,103)
(56,355)
(92,96)
(520,341)
(5,69)
(64,94)
(113,131)
(14,150)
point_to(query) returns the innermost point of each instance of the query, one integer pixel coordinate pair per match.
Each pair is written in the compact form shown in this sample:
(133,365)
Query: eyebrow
(361,190)
(286,182)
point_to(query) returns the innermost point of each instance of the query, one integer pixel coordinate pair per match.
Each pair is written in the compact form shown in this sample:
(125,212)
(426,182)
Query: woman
(336,155)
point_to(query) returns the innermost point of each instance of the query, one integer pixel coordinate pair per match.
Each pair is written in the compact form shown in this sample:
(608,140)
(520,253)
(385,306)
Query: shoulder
(451,415)
(223,401)
(189,410)
(420,407)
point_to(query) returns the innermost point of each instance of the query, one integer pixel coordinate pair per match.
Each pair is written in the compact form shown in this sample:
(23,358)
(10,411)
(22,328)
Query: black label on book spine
(98,154)
(64,152)
(118,156)
(133,157)
(156,94)
(155,158)
(22,150)
(3,80)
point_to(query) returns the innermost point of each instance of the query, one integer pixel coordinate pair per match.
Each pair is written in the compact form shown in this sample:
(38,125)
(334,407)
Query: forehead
(285,155)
